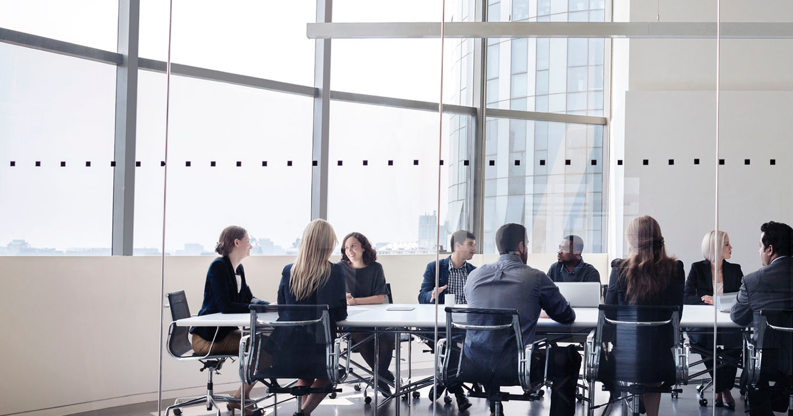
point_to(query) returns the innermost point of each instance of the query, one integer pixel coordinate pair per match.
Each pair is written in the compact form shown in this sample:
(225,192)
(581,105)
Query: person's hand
(436,292)
(351,300)
(543,314)
(708,299)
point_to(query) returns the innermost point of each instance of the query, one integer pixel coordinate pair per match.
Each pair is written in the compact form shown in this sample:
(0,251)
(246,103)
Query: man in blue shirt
(570,266)
(509,283)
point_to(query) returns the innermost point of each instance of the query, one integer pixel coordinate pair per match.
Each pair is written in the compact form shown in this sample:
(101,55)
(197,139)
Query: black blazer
(700,280)
(221,295)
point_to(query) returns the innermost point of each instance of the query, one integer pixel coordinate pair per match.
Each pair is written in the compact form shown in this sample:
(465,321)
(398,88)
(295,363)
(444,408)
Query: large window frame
(128,62)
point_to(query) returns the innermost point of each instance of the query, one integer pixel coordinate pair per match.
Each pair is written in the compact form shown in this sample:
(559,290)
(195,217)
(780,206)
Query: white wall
(668,111)
(82,333)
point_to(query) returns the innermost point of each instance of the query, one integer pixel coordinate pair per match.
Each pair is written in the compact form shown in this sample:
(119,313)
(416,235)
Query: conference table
(398,318)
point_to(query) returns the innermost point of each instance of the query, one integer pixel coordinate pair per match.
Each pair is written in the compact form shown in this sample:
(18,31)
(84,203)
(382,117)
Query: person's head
(312,268)
(775,240)
(234,239)
(356,246)
(648,270)
(711,241)
(570,249)
(464,243)
(512,239)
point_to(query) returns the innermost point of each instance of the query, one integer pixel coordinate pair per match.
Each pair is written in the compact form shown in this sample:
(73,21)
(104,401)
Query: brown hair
(369,254)
(312,268)
(225,244)
(648,270)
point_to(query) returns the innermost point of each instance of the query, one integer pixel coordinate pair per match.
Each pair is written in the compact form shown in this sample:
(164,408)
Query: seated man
(510,283)
(771,287)
(570,266)
(453,273)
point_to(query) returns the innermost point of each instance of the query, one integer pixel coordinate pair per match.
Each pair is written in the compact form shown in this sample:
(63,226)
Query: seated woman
(647,277)
(226,291)
(700,291)
(366,285)
(313,280)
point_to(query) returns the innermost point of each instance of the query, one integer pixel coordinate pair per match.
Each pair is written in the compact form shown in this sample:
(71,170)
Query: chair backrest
(646,343)
(482,345)
(389,297)
(775,341)
(179,341)
(290,341)
(581,294)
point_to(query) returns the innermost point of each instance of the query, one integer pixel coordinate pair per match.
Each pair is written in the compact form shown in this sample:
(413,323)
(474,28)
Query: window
(53,203)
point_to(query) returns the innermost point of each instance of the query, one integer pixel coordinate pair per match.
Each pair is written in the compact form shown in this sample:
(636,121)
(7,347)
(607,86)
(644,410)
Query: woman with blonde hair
(700,290)
(648,277)
(313,280)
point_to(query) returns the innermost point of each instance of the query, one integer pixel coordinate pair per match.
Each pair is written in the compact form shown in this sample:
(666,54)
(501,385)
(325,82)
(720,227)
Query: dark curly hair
(369,255)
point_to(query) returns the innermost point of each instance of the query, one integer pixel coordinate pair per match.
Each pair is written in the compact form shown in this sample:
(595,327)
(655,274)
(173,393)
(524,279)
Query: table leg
(398,368)
(410,363)
(376,379)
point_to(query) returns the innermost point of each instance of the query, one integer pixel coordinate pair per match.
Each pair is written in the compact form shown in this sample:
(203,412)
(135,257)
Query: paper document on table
(401,308)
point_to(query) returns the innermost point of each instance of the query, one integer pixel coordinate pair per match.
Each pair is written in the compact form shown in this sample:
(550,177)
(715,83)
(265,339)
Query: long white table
(423,316)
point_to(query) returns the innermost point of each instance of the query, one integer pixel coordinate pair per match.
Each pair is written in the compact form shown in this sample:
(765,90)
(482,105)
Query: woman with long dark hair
(366,285)
(648,277)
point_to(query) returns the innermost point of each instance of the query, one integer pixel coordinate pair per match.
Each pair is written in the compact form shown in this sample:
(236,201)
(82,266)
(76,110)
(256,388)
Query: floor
(351,402)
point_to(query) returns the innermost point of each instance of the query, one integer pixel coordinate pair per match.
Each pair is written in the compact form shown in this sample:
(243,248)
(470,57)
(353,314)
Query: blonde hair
(648,270)
(709,245)
(312,268)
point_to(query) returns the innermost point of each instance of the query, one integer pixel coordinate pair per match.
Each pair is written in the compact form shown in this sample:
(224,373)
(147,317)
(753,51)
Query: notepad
(401,308)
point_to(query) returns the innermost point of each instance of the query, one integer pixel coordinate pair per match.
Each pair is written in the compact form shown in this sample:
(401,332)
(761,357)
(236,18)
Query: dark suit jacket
(425,293)
(769,288)
(700,280)
(221,295)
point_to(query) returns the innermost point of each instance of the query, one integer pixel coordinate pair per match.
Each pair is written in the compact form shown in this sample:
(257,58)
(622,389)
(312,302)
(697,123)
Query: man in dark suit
(453,271)
(452,275)
(769,288)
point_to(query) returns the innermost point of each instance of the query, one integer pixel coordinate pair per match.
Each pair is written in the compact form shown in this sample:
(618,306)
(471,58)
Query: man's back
(510,284)
(771,287)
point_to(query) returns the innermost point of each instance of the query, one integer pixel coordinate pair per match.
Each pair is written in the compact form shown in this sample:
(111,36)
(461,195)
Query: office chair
(727,357)
(769,355)
(629,367)
(180,348)
(494,335)
(290,342)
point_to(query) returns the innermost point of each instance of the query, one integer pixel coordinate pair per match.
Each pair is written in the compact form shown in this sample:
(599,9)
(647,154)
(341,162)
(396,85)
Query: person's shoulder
(617,262)
(287,270)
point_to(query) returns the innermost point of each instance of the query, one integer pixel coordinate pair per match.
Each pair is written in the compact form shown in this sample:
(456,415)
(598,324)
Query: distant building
(427,232)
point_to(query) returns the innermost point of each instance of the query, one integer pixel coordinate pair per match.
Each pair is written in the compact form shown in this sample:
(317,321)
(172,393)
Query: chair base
(211,401)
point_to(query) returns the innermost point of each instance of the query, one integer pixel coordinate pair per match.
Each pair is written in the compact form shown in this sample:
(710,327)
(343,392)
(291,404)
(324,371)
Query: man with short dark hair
(570,265)
(510,283)
(452,276)
(769,288)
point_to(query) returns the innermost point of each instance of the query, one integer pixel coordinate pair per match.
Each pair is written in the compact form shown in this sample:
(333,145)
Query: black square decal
(137,164)
(619,162)
(542,162)
(492,163)
(441,162)
(314,163)
(239,163)
(746,162)
(696,161)
(415,162)
(63,164)
(721,161)
(187,164)
(87,164)
(288,163)
(38,164)
(466,162)
(366,163)
(212,164)
(339,163)
(645,162)
(773,162)
(162,163)
(264,163)
(671,162)
(594,162)
(112,163)
(390,163)
(567,162)
(517,163)
(13,163)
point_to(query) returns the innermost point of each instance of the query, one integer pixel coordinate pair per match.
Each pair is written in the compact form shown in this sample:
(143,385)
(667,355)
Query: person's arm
(284,285)
(218,277)
(553,303)
(741,312)
(369,300)
(591,274)
(612,294)
(428,285)
(680,281)
(690,295)
(338,309)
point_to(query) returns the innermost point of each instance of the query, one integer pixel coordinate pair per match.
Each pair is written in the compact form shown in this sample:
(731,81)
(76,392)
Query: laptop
(581,295)
(724,302)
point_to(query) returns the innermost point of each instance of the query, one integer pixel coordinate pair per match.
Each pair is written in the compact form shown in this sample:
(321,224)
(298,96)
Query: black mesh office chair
(632,349)
(179,347)
(485,346)
(769,355)
(291,342)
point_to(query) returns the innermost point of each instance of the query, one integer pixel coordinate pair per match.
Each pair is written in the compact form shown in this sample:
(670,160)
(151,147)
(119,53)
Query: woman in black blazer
(226,291)
(647,277)
(699,291)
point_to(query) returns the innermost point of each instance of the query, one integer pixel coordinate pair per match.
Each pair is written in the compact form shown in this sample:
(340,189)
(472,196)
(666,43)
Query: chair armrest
(682,352)
(754,361)
(592,357)
(440,350)
(245,355)
(524,363)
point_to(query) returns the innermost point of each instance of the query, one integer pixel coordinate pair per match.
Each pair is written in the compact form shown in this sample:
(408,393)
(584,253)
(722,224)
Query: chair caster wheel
(541,393)
(416,394)
(703,402)
(177,411)
(674,395)
(357,387)
(447,400)
(332,395)
(367,399)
